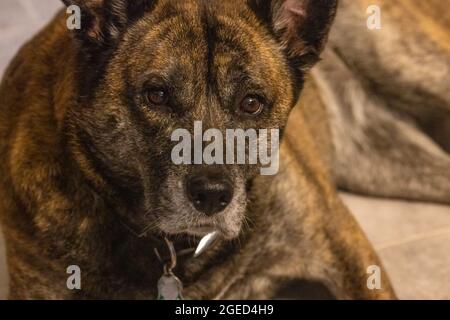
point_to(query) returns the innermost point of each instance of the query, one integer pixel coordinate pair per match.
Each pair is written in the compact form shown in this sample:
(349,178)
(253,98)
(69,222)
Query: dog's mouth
(189,225)
(200,231)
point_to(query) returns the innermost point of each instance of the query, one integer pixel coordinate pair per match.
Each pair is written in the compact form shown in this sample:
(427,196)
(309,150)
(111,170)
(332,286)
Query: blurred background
(412,239)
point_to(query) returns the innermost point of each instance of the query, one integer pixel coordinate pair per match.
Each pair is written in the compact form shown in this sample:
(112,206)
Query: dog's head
(149,67)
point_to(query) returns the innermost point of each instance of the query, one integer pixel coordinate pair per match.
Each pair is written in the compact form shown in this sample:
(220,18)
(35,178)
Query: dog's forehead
(196,34)
(192,21)
(202,6)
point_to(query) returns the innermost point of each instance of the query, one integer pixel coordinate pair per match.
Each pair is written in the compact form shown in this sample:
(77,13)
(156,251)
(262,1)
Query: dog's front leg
(322,240)
(321,243)
(341,256)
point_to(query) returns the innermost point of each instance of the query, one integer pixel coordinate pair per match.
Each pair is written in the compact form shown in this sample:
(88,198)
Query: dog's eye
(157,96)
(252,105)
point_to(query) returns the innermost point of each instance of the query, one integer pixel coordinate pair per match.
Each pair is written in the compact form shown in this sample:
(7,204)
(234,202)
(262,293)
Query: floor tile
(421,269)
(12,16)
(387,222)
(46,9)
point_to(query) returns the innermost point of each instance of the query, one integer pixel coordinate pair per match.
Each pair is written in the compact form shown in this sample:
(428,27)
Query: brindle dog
(85,125)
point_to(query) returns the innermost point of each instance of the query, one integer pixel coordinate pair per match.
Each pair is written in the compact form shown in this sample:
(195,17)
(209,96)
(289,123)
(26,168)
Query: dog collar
(169,285)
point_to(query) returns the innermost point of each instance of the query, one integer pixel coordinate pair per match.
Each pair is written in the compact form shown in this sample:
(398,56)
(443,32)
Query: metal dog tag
(170,288)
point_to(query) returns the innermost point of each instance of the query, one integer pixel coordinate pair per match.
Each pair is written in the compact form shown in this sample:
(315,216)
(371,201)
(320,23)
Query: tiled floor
(413,240)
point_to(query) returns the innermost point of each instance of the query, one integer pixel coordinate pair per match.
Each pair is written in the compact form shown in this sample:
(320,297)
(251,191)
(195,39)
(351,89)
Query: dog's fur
(85,162)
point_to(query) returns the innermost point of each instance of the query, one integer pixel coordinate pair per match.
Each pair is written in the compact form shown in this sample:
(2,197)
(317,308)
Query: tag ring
(168,266)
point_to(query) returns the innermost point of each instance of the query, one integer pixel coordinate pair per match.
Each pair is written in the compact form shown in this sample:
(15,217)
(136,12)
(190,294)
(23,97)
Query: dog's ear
(102,21)
(301,26)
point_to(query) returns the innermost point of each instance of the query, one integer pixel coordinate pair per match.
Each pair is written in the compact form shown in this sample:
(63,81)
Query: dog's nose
(209,193)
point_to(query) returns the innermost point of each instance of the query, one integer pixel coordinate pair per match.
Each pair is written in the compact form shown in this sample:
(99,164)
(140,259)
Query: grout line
(423,236)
